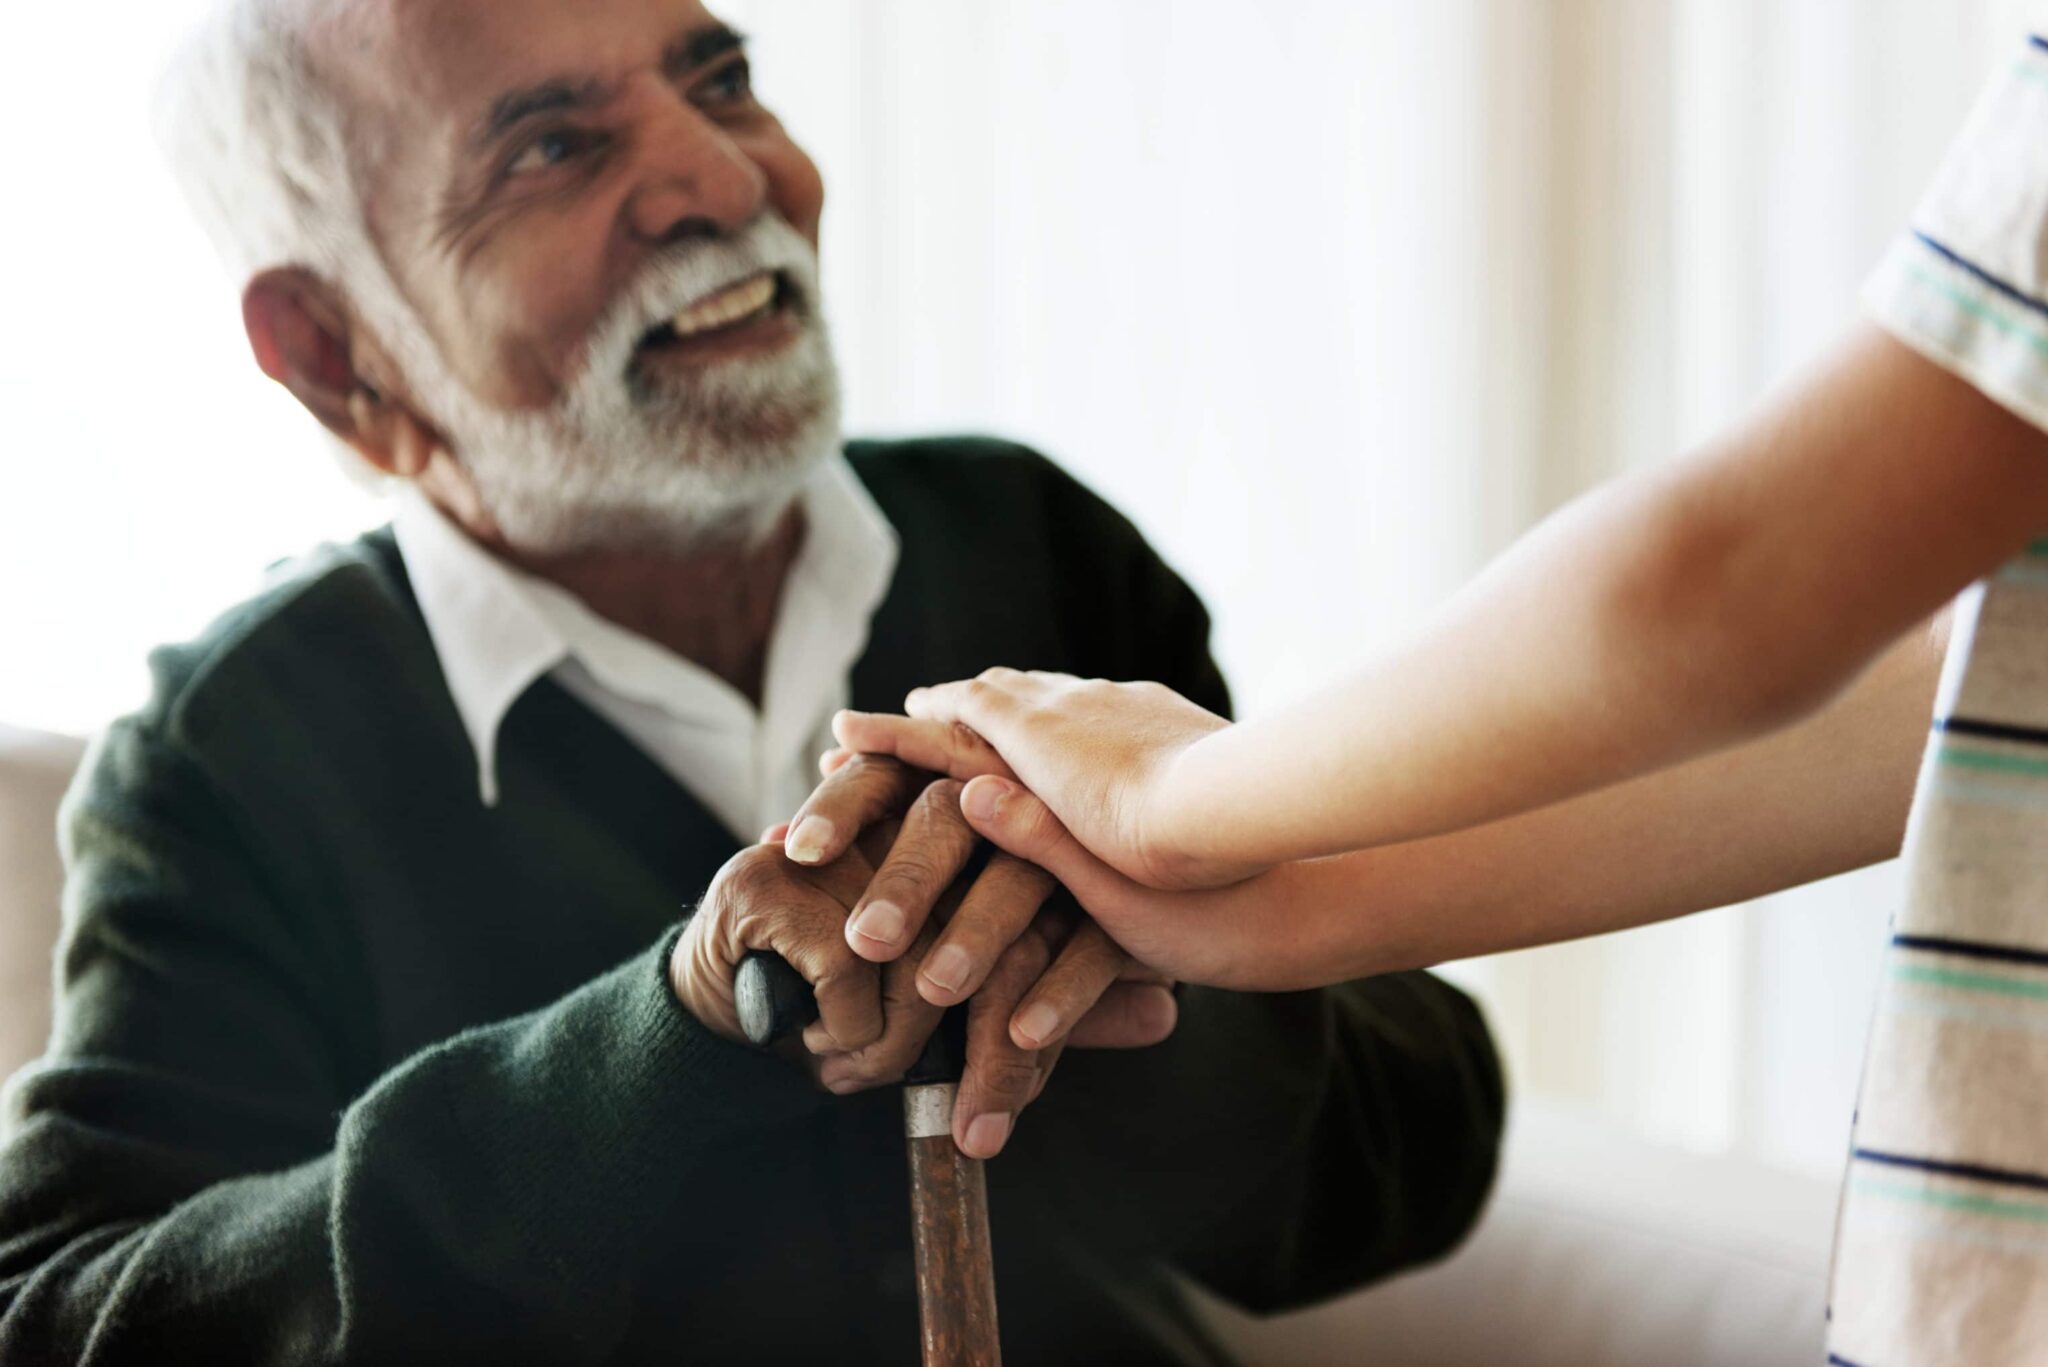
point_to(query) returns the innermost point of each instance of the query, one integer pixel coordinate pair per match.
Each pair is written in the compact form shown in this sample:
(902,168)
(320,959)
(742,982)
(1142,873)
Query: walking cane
(956,1289)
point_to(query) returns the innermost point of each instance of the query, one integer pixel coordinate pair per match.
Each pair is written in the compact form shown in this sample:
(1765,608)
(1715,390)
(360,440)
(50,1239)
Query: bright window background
(149,472)
(1334,297)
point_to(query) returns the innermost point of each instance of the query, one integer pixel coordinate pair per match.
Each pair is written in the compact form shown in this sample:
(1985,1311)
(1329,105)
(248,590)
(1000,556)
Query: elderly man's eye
(733,84)
(549,149)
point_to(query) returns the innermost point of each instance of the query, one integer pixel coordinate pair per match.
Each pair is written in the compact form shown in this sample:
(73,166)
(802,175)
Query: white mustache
(674,282)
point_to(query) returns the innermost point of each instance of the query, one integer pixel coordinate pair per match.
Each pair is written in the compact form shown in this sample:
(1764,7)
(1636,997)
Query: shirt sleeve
(1967,285)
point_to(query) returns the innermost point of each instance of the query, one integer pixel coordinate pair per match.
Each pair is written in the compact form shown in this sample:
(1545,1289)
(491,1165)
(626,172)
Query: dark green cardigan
(350,1068)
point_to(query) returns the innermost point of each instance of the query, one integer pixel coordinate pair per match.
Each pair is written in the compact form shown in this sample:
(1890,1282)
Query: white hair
(261,146)
(258,142)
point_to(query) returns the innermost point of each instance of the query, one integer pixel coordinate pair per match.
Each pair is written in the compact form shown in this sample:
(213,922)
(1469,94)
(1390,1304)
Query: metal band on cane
(928,1110)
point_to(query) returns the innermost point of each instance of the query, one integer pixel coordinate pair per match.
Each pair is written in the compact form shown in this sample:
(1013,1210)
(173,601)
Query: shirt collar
(491,640)
(497,630)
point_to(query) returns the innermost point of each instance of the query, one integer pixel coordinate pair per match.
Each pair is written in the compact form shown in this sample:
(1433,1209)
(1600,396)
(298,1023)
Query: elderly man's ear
(305,338)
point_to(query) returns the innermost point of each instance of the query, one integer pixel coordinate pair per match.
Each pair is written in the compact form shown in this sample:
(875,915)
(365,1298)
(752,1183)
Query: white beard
(615,465)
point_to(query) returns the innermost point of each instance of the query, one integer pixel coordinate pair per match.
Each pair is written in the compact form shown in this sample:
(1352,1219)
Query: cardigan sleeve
(191,1176)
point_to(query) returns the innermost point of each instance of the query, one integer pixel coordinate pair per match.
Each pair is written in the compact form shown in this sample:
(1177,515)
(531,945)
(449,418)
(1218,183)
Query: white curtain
(1334,297)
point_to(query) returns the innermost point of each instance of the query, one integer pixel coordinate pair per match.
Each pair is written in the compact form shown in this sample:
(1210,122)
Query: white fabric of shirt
(1942,1246)
(497,630)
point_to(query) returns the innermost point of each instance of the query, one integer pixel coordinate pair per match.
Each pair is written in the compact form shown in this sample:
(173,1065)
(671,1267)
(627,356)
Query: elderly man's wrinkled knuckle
(1010,1076)
(908,878)
(844,974)
(757,873)
(1021,878)
(861,1035)
(940,801)
(866,770)
(875,1066)
(1029,954)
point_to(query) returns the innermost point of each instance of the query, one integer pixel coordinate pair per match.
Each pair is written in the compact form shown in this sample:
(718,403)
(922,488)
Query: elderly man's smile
(756,315)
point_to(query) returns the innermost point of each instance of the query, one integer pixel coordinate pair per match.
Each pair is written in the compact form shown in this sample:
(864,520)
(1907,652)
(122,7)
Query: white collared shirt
(498,630)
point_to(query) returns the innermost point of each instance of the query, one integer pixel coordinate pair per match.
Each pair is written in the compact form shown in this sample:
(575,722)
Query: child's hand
(1100,755)
(1269,933)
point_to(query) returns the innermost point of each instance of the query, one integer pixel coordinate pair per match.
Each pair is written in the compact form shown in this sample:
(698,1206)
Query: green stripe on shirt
(1978,309)
(1957,1201)
(1970,982)
(1995,763)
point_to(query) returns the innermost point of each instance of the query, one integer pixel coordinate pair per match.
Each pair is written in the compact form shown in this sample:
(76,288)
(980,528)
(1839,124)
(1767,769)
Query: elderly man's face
(599,227)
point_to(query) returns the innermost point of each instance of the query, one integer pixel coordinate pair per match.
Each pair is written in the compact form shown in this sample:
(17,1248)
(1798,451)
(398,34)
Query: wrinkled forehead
(426,77)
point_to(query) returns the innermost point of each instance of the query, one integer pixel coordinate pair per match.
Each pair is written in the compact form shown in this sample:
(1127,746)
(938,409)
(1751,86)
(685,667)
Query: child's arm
(1662,618)
(1821,797)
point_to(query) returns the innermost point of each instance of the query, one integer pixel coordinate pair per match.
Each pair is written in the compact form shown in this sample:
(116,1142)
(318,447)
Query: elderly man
(378,1038)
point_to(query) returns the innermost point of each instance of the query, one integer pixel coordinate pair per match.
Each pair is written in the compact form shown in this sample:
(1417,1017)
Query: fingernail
(948,967)
(845,1086)
(1157,1010)
(880,921)
(1037,1022)
(986,1134)
(807,842)
(984,799)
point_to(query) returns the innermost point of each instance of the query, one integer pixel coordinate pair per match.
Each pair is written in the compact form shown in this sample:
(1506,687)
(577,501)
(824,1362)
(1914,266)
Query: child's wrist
(1185,823)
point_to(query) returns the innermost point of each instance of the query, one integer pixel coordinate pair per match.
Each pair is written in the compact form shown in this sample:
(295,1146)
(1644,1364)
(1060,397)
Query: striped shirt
(1942,1251)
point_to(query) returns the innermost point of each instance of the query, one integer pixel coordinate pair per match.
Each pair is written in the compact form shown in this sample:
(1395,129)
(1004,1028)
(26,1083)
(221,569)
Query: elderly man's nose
(695,178)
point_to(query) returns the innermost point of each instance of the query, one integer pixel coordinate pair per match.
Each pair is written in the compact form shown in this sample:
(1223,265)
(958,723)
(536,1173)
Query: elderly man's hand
(874,1018)
(757,902)
(1036,974)
(1091,982)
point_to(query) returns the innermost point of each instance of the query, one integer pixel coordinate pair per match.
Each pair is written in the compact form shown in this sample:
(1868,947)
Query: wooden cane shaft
(956,1285)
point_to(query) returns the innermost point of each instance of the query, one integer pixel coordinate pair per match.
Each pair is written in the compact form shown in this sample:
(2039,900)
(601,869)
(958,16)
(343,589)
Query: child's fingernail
(1037,1023)
(882,922)
(986,1134)
(984,799)
(807,842)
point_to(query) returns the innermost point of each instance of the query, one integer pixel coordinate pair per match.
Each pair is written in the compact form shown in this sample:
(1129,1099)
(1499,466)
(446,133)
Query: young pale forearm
(1663,619)
(1822,797)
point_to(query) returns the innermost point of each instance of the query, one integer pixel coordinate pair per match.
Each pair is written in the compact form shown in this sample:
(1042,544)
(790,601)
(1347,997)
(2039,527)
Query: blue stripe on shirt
(1972,949)
(1974,1172)
(1978,273)
(1992,730)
